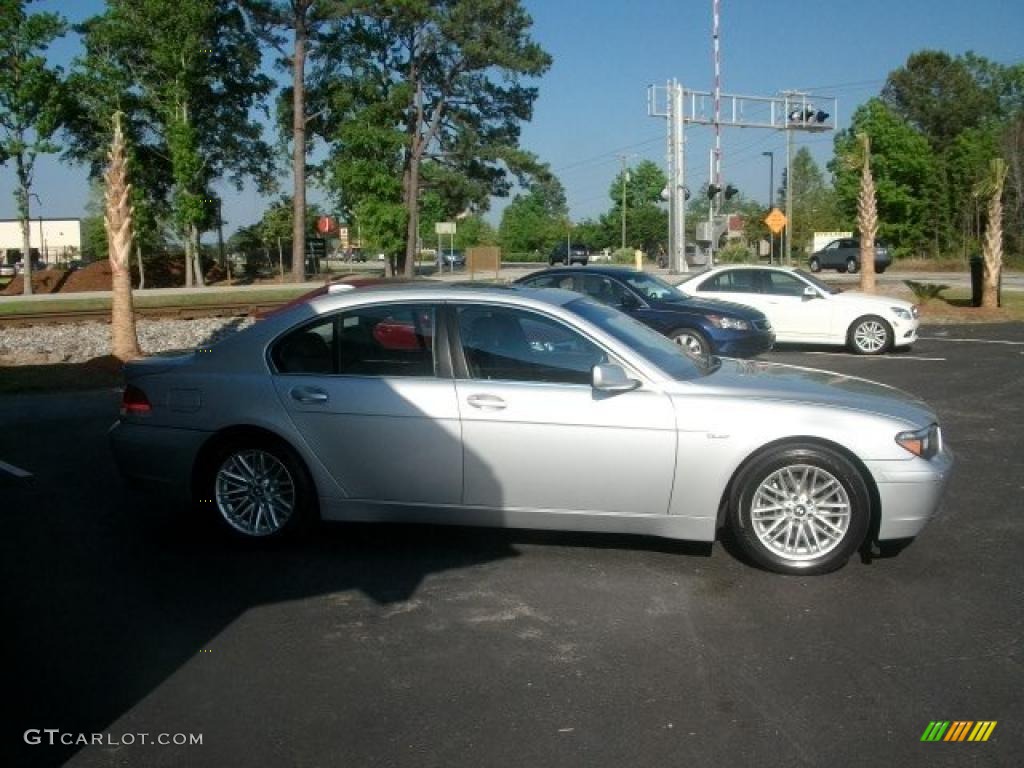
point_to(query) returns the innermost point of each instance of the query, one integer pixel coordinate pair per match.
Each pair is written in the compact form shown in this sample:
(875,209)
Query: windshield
(651,287)
(665,354)
(823,287)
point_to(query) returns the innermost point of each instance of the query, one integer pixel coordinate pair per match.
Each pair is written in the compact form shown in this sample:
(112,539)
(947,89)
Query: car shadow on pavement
(108,593)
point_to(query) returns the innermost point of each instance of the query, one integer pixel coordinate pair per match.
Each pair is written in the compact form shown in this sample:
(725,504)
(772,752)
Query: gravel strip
(78,342)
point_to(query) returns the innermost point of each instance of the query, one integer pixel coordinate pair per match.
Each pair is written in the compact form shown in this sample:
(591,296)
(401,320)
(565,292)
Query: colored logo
(959,730)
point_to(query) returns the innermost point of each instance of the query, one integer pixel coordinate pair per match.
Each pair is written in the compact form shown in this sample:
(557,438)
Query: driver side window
(781,284)
(604,290)
(512,345)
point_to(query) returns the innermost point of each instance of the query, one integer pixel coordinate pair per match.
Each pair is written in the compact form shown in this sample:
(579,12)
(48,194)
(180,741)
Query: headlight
(922,442)
(901,313)
(731,323)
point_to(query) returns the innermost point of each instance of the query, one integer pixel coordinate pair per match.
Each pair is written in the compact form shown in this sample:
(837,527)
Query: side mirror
(609,377)
(811,293)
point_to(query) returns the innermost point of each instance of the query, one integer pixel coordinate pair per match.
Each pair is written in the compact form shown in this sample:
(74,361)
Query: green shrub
(735,253)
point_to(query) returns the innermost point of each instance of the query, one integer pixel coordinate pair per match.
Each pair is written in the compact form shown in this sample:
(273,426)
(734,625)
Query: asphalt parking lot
(386,646)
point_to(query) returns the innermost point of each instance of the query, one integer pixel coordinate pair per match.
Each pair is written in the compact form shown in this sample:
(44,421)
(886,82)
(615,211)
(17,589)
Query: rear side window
(389,340)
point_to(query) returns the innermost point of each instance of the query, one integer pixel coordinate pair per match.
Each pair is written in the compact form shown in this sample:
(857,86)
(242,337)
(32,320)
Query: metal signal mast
(789,111)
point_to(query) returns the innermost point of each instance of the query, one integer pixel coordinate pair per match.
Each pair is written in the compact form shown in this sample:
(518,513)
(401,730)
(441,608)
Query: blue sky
(593,101)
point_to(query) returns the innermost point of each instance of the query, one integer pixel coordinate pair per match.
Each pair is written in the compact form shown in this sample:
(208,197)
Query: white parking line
(976,341)
(878,357)
(16,471)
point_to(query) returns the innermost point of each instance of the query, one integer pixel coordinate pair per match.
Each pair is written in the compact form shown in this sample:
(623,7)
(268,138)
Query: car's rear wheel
(257,487)
(815,264)
(693,342)
(870,335)
(852,266)
(800,509)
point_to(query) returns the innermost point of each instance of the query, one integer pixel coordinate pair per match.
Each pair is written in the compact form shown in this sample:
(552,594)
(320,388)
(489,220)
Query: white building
(55,239)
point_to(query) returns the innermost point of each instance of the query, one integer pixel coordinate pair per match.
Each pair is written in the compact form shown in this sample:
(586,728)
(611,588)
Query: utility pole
(789,198)
(771,199)
(625,178)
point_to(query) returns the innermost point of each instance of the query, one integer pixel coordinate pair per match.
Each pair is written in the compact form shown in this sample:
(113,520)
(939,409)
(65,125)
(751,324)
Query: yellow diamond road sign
(775,220)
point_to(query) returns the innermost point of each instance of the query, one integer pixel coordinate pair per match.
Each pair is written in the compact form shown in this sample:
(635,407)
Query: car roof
(439,291)
(590,269)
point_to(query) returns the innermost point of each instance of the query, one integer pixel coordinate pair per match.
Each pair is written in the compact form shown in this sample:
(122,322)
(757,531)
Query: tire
(693,342)
(870,335)
(800,509)
(256,489)
(815,265)
(852,266)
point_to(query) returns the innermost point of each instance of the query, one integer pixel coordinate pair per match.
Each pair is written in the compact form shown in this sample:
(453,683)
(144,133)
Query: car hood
(687,303)
(775,381)
(882,302)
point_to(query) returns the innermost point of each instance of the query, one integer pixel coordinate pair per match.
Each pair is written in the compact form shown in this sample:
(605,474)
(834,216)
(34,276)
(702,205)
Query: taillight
(134,400)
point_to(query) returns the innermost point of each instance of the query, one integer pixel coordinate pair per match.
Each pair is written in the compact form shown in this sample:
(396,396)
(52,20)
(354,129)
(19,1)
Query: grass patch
(955,307)
(15,306)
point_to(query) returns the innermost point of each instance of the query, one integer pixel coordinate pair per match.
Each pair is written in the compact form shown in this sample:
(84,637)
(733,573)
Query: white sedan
(804,310)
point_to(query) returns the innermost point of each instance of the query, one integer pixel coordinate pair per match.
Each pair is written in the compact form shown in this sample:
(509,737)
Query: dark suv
(844,255)
(563,254)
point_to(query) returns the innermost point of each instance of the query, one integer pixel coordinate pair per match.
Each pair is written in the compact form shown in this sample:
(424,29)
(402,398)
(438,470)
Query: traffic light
(686,193)
(713,189)
(730,191)
(821,116)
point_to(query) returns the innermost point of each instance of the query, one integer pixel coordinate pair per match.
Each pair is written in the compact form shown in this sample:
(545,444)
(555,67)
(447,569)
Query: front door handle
(309,395)
(486,402)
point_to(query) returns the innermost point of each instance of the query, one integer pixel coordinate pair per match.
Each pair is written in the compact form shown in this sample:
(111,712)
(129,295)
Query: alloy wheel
(800,512)
(254,492)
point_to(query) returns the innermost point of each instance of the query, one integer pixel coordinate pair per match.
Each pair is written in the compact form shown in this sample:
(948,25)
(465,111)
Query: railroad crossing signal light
(713,189)
(730,191)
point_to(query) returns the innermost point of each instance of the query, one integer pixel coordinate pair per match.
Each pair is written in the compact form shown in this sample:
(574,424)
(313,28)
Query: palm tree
(124,341)
(867,217)
(991,186)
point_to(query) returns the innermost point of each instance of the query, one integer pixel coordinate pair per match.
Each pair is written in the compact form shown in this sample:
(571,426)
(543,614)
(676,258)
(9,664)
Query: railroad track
(59,317)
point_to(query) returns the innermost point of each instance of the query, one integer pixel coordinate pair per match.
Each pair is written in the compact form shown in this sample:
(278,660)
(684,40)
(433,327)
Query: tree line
(419,104)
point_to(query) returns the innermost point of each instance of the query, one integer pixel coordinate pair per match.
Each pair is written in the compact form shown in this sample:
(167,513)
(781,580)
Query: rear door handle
(486,402)
(309,395)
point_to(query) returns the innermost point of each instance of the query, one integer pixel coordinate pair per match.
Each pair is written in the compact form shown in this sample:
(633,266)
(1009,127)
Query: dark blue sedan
(701,326)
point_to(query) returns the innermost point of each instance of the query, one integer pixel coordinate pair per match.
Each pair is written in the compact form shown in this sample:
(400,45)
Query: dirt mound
(95,277)
(44,281)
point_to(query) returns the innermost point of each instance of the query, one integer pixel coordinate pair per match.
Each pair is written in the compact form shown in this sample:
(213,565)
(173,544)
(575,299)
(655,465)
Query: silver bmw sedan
(529,409)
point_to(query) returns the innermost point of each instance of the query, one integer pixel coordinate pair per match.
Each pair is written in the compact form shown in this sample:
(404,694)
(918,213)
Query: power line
(610,153)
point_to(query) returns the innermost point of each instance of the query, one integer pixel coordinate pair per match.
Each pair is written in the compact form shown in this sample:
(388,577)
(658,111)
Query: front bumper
(159,459)
(909,493)
(743,343)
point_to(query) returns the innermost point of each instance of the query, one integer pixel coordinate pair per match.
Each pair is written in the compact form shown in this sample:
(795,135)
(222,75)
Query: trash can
(977,277)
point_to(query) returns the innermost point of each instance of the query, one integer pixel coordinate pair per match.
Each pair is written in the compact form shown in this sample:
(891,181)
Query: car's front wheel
(800,509)
(693,342)
(256,488)
(852,266)
(870,335)
(815,264)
